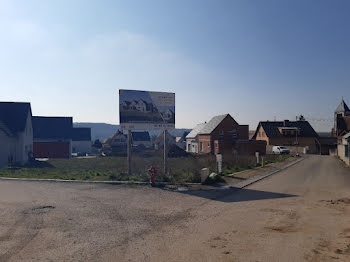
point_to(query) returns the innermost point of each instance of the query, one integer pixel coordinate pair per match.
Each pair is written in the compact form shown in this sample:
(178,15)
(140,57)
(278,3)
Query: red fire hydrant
(153,172)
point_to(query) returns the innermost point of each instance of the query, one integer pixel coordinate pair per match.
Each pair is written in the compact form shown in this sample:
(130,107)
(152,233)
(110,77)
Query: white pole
(165,153)
(129,152)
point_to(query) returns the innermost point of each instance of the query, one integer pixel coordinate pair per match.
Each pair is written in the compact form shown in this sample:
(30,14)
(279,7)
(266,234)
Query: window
(346,150)
(201,146)
(208,145)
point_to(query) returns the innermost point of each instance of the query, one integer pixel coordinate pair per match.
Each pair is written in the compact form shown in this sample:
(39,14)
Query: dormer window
(289,131)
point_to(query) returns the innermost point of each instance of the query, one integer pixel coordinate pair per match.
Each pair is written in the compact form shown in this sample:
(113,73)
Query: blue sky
(257,60)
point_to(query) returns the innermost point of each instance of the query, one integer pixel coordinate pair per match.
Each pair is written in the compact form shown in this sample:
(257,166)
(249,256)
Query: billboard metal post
(165,153)
(129,152)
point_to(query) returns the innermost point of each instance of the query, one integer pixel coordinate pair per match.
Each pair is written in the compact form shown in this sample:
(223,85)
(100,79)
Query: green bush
(214,180)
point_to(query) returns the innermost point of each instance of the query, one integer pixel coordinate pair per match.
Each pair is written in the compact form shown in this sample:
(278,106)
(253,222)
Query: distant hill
(102,130)
(99,130)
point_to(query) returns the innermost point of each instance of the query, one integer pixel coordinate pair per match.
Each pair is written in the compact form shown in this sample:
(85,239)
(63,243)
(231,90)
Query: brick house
(288,133)
(223,135)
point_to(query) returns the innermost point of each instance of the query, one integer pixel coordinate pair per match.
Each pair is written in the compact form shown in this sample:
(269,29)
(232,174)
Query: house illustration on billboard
(167,115)
(138,105)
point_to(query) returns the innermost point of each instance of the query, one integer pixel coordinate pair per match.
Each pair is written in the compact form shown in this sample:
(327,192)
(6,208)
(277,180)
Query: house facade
(137,105)
(81,140)
(52,137)
(181,140)
(141,138)
(288,133)
(159,142)
(117,144)
(344,149)
(191,139)
(16,133)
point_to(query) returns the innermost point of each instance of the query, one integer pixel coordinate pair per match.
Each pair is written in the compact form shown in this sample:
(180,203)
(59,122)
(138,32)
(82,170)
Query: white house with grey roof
(16,133)
(191,139)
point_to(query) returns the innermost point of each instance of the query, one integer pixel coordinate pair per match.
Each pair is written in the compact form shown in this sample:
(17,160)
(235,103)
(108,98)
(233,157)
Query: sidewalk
(262,173)
(242,179)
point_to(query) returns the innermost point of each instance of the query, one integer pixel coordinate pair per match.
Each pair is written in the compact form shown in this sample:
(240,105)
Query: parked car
(280,150)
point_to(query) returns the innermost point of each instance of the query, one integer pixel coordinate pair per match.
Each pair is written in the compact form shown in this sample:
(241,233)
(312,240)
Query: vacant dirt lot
(300,214)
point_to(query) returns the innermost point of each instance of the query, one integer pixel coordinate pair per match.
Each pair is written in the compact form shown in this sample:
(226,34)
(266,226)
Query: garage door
(51,149)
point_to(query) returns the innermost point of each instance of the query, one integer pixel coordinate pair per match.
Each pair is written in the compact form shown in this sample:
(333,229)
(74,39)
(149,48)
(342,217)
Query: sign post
(257,155)
(219,163)
(165,159)
(129,152)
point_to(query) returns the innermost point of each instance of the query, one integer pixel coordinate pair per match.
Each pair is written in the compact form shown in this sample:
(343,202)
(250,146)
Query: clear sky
(257,60)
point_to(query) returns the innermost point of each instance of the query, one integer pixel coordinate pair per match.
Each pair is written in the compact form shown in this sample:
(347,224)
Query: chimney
(285,123)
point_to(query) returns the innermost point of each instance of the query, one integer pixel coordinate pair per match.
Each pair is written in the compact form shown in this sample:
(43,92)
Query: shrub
(112,177)
(214,180)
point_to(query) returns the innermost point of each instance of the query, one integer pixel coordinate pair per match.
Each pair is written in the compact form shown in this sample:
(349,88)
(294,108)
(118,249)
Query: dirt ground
(299,214)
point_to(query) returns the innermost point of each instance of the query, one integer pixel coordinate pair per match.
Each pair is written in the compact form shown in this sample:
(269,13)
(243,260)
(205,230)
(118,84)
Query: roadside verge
(264,174)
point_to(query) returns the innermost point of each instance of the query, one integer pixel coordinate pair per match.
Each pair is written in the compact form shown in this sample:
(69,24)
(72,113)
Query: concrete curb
(88,181)
(257,178)
(73,181)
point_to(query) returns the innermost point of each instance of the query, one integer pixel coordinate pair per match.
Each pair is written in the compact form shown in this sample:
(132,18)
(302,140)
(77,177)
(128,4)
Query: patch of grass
(181,170)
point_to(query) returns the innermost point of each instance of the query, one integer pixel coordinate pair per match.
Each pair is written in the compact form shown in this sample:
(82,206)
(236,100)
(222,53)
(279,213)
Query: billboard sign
(143,110)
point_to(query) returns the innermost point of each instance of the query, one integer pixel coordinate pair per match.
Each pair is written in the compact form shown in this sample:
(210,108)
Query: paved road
(300,214)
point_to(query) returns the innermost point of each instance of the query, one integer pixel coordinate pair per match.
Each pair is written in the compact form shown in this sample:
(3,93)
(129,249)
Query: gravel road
(299,214)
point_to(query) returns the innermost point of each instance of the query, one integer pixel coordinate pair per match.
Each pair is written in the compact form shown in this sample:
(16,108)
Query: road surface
(299,214)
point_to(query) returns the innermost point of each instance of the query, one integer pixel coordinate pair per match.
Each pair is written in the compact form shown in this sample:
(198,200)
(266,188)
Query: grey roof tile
(52,127)
(212,124)
(271,128)
(343,107)
(194,132)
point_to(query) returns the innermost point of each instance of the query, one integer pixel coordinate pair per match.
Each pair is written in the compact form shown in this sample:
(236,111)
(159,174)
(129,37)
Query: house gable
(14,115)
(213,124)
